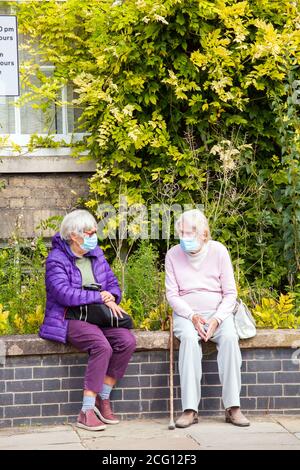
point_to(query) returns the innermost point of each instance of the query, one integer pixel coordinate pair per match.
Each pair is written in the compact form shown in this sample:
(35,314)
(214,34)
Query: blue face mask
(89,243)
(189,244)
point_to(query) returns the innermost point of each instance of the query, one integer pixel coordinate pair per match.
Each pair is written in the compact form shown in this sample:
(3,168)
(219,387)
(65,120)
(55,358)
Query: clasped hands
(208,331)
(110,301)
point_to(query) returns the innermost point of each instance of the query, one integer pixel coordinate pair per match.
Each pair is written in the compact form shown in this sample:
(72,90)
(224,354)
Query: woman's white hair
(76,222)
(193,219)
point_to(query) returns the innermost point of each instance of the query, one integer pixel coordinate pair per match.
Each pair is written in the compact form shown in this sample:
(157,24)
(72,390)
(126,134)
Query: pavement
(278,432)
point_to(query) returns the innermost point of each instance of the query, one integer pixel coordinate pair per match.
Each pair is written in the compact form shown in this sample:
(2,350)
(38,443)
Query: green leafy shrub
(144,288)
(196,95)
(277,314)
(22,285)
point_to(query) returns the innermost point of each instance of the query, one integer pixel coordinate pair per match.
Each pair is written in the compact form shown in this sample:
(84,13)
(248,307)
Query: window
(22,121)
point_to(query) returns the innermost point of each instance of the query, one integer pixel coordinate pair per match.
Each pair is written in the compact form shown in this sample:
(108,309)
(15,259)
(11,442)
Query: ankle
(105,392)
(234,410)
(88,403)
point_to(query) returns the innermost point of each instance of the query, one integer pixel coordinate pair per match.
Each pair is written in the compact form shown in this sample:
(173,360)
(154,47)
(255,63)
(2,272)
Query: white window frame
(22,139)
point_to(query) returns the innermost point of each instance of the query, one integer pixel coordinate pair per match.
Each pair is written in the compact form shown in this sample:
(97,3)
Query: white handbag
(243,320)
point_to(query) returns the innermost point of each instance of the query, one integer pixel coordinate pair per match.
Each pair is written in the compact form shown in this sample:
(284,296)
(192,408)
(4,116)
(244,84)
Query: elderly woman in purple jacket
(76,260)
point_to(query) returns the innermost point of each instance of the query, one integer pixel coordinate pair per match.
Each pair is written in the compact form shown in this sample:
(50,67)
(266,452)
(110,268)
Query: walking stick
(171,423)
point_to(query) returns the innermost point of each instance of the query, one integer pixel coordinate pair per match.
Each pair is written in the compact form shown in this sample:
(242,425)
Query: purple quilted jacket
(64,287)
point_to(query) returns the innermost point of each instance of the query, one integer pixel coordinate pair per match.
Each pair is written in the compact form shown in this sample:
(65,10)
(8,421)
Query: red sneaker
(104,412)
(88,420)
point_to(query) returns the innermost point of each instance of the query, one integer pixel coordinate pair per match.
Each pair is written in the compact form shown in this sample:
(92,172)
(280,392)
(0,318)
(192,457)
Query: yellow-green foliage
(156,319)
(20,324)
(3,320)
(22,285)
(276,314)
(29,323)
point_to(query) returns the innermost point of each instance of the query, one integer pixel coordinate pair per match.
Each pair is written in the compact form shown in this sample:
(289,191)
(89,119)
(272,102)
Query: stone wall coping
(46,162)
(28,345)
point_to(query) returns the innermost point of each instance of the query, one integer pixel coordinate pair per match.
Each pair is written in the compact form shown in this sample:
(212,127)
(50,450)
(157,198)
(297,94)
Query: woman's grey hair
(194,219)
(76,222)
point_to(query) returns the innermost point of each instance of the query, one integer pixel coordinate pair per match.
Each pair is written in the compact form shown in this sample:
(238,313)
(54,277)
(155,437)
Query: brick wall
(36,197)
(43,389)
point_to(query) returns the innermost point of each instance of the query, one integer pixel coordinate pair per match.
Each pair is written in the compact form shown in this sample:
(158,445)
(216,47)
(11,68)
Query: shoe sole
(104,420)
(182,427)
(89,428)
(227,420)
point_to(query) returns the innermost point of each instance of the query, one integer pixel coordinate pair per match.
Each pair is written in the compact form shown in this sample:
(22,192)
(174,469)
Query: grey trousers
(190,358)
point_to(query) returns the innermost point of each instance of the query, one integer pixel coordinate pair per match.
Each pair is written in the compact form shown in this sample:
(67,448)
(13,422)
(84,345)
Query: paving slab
(35,440)
(245,440)
(32,429)
(185,443)
(266,432)
(290,423)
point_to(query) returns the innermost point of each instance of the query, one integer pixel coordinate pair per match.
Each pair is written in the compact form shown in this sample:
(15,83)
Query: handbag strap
(237,303)
(83,313)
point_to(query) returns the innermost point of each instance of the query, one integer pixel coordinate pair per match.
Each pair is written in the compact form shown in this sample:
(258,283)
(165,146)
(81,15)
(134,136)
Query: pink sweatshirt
(209,288)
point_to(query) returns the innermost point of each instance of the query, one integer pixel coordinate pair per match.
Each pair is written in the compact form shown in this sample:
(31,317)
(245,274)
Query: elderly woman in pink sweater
(201,290)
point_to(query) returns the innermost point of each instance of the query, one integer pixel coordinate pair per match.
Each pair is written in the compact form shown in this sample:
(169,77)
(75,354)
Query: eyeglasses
(90,233)
(187,233)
